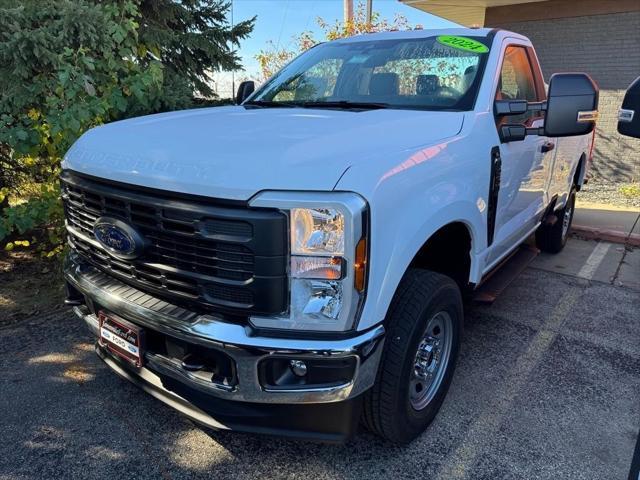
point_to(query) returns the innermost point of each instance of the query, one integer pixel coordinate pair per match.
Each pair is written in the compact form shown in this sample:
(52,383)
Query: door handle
(547,147)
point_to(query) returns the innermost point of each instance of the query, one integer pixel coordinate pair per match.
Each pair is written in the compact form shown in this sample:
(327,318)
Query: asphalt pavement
(547,386)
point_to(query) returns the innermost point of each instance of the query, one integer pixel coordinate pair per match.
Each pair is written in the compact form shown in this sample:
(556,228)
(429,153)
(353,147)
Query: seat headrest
(384,84)
(469,76)
(427,84)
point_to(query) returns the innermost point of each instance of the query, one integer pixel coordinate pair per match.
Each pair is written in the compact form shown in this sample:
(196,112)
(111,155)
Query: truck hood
(235,152)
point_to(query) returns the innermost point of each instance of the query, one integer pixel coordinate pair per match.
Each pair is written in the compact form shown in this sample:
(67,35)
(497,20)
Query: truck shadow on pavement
(547,386)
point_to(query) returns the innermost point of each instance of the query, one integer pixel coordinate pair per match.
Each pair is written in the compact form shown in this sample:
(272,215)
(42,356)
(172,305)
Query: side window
(517,82)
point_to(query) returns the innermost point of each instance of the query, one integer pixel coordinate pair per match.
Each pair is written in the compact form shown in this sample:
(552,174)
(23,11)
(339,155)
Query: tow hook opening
(73,297)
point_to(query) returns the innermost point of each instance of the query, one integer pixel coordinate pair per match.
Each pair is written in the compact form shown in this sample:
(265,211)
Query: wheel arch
(449,251)
(403,249)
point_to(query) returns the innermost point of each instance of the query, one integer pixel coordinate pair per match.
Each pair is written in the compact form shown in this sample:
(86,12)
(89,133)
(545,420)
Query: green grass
(630,191)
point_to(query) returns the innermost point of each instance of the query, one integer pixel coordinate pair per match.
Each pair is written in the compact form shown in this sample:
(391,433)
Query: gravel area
(618,194)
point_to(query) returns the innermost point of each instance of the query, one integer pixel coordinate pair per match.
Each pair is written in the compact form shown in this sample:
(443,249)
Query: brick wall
(607,47)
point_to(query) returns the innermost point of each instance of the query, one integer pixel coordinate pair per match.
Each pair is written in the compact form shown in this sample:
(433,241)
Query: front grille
(228,258)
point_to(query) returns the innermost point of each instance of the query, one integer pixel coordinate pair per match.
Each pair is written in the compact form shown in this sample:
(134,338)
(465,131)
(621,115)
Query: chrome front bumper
(236,341)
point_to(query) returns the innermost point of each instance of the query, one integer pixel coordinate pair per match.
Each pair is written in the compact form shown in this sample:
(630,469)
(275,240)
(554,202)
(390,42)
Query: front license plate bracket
(121,337)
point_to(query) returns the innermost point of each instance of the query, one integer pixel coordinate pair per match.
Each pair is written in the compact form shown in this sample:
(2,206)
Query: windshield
(420,73)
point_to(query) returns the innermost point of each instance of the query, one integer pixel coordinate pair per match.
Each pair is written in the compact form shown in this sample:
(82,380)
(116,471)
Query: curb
(607,207)
(613,236)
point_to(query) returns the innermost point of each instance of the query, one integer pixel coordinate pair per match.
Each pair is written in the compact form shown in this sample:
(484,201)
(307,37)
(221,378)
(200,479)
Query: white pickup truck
(298,262)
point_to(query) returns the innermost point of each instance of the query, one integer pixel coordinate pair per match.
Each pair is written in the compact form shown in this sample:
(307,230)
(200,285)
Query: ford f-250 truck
(297,263)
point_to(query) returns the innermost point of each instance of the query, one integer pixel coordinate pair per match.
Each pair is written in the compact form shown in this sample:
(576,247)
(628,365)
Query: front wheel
(553,238)
(424,327)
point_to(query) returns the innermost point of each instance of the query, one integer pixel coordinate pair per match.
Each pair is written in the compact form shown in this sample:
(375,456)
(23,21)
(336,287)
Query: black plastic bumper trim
(328,422)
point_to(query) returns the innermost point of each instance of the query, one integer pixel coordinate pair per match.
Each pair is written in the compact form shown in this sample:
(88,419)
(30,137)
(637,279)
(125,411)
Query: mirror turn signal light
(588,116)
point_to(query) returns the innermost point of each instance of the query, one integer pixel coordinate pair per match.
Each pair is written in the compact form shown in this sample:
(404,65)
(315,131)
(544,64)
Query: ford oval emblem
(118,237)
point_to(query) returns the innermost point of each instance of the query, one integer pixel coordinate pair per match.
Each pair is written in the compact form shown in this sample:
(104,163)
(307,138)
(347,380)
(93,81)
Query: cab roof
(427,32)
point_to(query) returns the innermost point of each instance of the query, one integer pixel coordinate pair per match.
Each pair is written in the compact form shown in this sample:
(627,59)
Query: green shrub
(69,65)
(64,67)
(41,217)
(631,190)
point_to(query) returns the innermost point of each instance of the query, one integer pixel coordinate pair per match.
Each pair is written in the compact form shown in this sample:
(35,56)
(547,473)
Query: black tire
(553,238)
(388,409)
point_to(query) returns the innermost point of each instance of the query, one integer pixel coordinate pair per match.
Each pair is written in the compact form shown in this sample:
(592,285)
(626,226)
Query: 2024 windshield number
(463,44)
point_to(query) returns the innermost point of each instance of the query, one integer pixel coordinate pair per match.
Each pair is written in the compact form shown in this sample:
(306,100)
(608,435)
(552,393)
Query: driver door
(525,165)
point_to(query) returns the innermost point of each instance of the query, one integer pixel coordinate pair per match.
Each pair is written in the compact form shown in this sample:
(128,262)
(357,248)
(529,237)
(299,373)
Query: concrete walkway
(596,220)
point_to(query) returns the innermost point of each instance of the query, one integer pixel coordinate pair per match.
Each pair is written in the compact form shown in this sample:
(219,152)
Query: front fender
(392,252)
(410,200)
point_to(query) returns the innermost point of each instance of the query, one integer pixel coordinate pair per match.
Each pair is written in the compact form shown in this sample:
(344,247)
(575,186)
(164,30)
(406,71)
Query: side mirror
(513,133)
(629,117)
(572,105)
(504,108)
(244,91)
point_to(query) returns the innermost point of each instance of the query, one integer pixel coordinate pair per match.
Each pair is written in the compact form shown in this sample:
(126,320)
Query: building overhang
(465,12)
(479,13)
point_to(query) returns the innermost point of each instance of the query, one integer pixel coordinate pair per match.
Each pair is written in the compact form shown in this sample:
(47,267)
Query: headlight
(328,259)
(317,231)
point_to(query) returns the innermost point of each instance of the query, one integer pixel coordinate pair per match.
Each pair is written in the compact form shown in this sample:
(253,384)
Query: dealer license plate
(121,338)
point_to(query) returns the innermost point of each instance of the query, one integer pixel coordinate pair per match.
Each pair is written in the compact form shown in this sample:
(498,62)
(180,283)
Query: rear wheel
(553,238)
(424,326)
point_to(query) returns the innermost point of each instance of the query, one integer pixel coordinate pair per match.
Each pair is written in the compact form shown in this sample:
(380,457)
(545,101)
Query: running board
(506,272)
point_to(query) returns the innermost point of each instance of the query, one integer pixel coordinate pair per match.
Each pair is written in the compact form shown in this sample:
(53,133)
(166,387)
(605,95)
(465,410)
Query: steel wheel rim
(566,219)
(431,360)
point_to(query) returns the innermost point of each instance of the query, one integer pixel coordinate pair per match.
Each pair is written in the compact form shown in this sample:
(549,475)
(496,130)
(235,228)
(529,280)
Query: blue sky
(280,20)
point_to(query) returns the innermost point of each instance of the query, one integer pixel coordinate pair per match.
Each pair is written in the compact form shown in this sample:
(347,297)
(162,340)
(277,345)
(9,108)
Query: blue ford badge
(118,237)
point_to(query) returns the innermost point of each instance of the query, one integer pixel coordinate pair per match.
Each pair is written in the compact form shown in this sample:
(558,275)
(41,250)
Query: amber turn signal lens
(360,265)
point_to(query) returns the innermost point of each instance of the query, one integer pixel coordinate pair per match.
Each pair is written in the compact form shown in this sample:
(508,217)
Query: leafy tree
(191,38)
(69,65)
(64,67)
(273,58)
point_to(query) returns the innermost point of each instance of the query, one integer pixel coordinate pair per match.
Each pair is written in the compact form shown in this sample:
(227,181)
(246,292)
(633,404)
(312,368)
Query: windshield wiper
(345,104)
(270,104)
(340,104)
